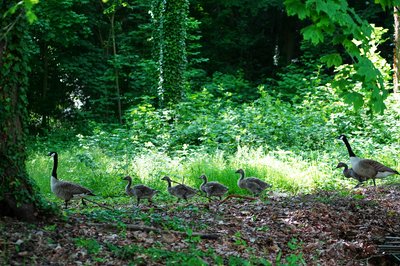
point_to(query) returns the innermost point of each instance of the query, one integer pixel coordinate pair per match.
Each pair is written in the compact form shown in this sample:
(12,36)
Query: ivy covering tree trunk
(19,196)
(170,19)
(396,53)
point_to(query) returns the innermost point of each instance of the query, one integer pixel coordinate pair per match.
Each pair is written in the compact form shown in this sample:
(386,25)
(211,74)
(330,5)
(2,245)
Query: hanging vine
(170,19)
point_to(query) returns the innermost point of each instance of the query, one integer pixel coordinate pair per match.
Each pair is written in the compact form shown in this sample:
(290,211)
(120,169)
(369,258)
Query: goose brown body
(367,168)
(66,190)
(139,191)
(251,184)
(180,191)
(212,189)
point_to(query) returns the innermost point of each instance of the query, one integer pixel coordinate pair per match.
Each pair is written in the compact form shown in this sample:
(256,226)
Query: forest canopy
(97,61)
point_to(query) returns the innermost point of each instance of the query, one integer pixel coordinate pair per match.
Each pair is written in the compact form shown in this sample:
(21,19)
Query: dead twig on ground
(133,227)
(236,196)
(99,204)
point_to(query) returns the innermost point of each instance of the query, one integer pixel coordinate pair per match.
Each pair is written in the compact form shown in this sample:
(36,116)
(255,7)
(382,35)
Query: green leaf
(351,47)
(31,16)
(332,60)
(296,7)
(354,98)
(328,7)
(377,100)
(366,69)
(313,33)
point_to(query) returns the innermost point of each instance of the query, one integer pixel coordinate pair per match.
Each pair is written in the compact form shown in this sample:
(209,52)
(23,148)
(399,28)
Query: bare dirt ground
(325,228)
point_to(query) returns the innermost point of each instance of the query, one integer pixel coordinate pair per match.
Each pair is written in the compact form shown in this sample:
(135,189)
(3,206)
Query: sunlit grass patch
(102,172)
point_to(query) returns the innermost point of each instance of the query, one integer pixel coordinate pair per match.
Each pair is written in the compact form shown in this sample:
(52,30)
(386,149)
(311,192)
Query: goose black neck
(169,182)
(55,165)
(241,175)
(346,142)
(129,183)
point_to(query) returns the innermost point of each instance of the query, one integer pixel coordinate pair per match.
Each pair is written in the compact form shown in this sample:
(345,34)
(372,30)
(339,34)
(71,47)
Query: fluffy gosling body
(180,191)
(139,191)
(213,188)
(349,173)
(251,184)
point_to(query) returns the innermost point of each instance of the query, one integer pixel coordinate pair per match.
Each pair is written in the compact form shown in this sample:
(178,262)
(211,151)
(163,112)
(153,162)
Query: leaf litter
(324,228)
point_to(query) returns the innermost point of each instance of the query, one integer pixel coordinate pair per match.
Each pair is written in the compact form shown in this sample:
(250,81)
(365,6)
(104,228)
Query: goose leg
(138,200)
(374,182)
(66,204)
(83,202)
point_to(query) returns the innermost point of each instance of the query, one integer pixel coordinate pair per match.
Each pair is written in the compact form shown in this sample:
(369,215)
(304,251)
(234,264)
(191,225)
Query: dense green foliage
(341,24)
(76,66)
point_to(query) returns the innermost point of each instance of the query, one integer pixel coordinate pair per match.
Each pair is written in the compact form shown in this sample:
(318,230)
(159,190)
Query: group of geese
(362,170)
(68,190)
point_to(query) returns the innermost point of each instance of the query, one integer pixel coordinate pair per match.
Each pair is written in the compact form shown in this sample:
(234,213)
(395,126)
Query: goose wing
(184,191)
(370,168)
(257,181)
(73,188)
(254,187)
(143,191)
(190,191)
(215,188)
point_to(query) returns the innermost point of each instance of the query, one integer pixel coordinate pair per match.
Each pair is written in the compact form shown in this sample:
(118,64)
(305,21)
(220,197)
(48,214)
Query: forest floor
(324,228)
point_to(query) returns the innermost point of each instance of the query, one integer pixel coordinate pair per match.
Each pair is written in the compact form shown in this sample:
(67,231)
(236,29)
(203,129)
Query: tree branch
(237,196)
(132,227)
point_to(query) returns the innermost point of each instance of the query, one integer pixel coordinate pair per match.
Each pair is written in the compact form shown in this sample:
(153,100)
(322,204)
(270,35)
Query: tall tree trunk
(112,19)
(19,196)
(45,86)
(396,53)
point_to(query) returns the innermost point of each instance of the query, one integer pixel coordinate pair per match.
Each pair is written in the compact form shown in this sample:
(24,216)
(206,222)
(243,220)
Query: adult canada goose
(365,167)
(66,190)
(180,191)
(349,173)
(212,189)
(139,191)
(252,184)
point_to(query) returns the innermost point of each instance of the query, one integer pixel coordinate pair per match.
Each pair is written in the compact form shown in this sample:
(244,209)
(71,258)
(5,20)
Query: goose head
(342,165)
(204,177)
(128,178)
(342,137)
(240,171)
(52,153)
(166,178)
